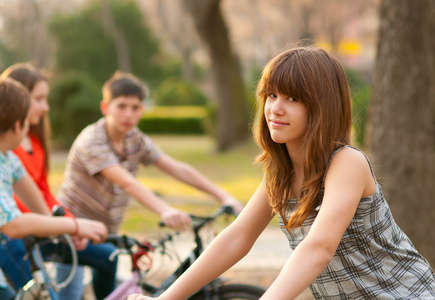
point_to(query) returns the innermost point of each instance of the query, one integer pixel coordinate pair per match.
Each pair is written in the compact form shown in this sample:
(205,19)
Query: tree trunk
(401,120)
(119,39)
(233,114)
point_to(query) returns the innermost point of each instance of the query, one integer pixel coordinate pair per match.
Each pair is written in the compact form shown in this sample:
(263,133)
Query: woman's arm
(228,248)
(170,216)
(347,181)
(191,176)
(27,190)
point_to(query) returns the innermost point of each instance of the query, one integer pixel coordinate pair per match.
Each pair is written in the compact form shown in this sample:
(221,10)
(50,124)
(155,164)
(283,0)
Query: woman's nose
(276,108)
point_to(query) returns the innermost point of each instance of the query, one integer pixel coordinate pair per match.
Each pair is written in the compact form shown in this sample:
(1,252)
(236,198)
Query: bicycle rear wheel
(232,292)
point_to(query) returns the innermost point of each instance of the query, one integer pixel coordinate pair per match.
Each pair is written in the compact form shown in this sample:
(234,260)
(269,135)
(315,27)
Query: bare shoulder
(350,164)
(350,157)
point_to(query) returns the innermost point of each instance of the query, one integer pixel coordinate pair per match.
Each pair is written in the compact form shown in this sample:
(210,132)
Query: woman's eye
(272,95)
(292,99)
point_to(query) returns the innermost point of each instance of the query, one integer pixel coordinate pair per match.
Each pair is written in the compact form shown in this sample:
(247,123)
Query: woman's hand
(176,219)
(138,297)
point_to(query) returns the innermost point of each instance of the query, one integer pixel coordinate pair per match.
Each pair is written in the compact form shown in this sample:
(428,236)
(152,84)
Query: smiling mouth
(277,123)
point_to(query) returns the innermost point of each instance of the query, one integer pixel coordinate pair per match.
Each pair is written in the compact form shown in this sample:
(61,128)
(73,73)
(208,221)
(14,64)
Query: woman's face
(38,104)
(286,119)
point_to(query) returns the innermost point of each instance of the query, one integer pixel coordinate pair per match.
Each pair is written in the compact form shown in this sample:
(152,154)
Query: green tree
(75,102)
(90,40)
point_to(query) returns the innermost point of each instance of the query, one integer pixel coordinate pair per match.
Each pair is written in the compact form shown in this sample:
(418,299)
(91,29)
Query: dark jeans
(6,293)
(12,252)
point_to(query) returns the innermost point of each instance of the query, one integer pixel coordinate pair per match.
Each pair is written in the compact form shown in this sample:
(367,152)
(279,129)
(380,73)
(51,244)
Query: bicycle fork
(37,288)
(32,290)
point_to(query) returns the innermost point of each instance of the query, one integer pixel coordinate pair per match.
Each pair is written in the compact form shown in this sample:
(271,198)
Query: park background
(201,59)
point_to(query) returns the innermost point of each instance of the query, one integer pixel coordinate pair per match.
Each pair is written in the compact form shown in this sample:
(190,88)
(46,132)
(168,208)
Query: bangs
(284,76)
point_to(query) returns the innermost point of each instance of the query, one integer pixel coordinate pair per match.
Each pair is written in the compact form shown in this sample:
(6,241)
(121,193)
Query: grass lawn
(233,170)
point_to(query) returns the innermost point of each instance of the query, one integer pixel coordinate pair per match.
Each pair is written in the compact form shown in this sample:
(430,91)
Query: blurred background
(200,60)
(207,54)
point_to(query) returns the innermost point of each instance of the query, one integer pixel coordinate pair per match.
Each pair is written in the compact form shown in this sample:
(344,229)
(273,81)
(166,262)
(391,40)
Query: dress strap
(329,163)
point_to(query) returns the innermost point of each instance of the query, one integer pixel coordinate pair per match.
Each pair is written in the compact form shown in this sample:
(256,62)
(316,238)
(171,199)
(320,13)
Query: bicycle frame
(134,284)
(194,254)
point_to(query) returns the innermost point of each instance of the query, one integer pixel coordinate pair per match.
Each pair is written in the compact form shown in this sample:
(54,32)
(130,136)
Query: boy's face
(122,113)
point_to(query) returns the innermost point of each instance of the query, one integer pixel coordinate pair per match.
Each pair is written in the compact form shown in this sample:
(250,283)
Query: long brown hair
(317,80)
(29,76)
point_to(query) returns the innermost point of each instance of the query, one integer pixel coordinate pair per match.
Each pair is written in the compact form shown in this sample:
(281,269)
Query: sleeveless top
(374,260)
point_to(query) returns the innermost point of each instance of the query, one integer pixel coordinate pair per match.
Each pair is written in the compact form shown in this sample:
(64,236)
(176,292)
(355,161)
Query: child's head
(14,104)
(37,85)
(318,81)
(25,73)
(123,84)
(122,102)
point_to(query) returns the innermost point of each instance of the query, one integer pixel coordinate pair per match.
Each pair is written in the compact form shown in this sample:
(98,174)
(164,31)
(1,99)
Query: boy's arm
(170,216)
(191,176)
(28,192)
(44,226)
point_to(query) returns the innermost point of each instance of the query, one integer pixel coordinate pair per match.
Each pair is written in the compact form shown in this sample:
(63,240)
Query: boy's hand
(235,204)
(80,243)
(94,230)
(176,219)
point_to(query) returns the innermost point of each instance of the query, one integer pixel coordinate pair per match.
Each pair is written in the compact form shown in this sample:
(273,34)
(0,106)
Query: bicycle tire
(68,245)
(233,292)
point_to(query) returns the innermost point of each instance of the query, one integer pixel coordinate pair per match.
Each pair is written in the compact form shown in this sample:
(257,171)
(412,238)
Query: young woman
(345,242)
(33,153)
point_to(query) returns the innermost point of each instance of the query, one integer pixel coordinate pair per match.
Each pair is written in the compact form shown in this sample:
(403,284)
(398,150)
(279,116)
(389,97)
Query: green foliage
(176,120)
(359,113)
(74,100)
(84,44)
(8,56)
(360,91)
(178,92)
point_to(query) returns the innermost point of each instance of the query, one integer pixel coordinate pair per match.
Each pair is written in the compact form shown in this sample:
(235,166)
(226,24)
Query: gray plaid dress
(374,260)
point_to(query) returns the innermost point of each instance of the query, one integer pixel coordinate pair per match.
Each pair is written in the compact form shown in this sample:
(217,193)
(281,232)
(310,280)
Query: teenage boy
(100,173)
(14,106)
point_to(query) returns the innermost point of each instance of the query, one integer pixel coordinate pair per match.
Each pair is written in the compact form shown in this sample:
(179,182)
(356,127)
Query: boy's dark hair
(14,103)
(123,84)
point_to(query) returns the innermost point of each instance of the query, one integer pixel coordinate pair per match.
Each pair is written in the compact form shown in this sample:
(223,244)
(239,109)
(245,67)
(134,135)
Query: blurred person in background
(34,155)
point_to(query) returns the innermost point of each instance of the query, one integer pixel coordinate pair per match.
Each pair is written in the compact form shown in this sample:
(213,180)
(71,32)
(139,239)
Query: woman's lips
(277,123)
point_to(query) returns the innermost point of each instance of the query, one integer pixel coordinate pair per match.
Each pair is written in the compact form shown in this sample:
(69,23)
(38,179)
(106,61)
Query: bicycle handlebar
(123,242)
(202,220)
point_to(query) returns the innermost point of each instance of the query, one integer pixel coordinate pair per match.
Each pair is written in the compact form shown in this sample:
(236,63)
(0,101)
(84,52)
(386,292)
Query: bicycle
(44,283)
(215,290)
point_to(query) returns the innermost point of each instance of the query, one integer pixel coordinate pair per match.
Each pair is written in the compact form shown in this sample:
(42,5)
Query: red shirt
(35,165)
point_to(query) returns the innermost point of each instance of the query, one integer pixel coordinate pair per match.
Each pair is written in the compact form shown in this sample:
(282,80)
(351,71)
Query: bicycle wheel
(232,292)
(59,249)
